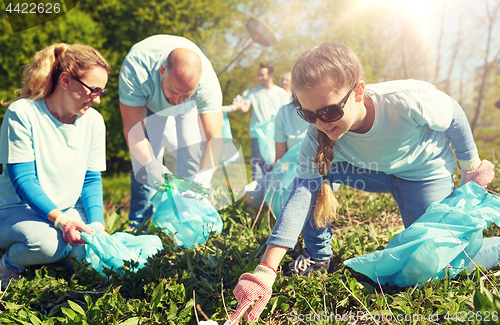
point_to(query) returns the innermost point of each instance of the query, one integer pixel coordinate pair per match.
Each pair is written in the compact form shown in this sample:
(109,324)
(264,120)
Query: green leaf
(76,307)
(173,310)
(68,312)
(481,302)
(131,321)
(187,309)
(20,321)
(274,304)
(255,252)
(88,300)
(11,306)
(156,297)
(35,320)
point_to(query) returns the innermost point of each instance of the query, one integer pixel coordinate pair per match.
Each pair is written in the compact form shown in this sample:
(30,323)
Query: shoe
(6,274)
(305,265)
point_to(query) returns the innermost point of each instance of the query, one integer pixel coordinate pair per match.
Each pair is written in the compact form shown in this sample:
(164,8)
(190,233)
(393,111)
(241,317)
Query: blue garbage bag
(230,152)
(111,251)
(280,182)
(226,127)
(265,136)
(424,251)
(189,221)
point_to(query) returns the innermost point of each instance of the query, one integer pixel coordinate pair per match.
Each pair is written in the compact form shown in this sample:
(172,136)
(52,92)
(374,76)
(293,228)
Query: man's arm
(212,147)
(133,129)
(241,104)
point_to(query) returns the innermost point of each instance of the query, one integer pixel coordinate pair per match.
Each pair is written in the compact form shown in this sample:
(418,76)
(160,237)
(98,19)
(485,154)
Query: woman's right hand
(253,287)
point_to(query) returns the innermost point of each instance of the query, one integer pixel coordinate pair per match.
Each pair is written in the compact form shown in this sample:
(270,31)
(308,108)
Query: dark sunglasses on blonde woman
(327,114)
(94,92)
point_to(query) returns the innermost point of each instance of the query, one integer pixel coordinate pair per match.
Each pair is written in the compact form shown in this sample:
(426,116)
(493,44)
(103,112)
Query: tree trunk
(491,23)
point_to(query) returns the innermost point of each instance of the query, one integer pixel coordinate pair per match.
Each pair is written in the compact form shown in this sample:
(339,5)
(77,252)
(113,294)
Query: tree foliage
(384,38)
(112,27)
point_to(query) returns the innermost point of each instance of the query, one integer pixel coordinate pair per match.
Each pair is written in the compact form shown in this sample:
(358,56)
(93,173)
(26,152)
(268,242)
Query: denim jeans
(187,151)
(259,166)
(412,197)
(31,240)
(140,201)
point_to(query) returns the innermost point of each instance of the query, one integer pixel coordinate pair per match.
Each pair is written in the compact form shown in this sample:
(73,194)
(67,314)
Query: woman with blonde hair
(286,82)
(52,148)
(388,137)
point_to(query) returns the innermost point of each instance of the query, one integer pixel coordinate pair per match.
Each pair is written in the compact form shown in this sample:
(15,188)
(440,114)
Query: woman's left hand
(100,226)
(482,175)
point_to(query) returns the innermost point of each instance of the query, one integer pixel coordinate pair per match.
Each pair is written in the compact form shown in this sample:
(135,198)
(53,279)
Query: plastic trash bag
(423,251)
(280,182)
(111,251)
(226,127)
(230,149)
(265,136)
(188,220)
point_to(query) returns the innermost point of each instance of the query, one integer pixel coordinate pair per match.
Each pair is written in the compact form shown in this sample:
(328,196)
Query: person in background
(164,77)
(289,132)
(286,82)
(391,137)
(265,101)
(52,149)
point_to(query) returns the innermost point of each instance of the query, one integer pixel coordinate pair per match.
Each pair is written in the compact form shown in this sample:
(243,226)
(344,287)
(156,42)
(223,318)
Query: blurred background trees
(451,43)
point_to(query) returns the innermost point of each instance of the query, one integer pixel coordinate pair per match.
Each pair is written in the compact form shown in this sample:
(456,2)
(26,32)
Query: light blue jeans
(412,197)
(31,240)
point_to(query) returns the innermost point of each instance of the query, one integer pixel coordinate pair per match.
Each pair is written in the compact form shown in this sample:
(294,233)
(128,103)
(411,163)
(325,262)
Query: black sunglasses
(327,114)
(94,92)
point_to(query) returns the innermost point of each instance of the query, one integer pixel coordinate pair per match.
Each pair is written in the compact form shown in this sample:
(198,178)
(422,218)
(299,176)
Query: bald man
(165,77)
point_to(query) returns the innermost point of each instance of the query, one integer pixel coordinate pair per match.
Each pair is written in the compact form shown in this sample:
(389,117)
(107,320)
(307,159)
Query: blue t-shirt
(407,138)
(289,126)
(416,106)
(63,153)
(265,104)
(140,80)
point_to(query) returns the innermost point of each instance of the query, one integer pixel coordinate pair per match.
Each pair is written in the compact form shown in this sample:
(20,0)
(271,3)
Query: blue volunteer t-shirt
(140,80)
(407,138)
(289,126)
(265,104)
(63,153)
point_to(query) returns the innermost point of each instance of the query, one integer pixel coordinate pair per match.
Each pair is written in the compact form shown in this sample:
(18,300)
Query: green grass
(175,280)
(488,144)
(116,190)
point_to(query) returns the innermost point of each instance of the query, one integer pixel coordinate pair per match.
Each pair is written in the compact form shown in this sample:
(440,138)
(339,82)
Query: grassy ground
(167,290)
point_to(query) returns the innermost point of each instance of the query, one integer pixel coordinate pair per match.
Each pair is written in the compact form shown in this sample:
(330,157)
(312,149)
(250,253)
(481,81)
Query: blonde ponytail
(327,205)
(41,75)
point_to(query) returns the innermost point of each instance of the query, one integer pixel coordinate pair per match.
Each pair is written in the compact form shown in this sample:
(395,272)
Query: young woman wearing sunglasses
(52,148)
(389,137)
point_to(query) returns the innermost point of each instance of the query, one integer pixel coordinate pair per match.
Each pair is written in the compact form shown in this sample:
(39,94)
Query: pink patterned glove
(481,172)
(253,287)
